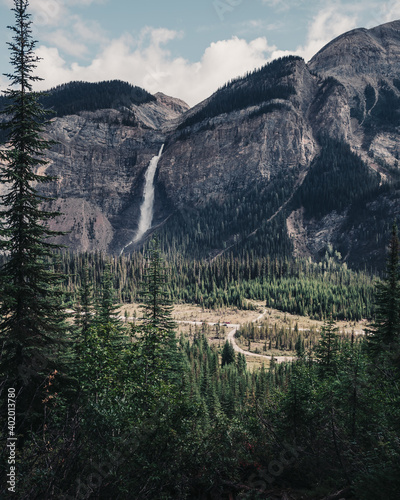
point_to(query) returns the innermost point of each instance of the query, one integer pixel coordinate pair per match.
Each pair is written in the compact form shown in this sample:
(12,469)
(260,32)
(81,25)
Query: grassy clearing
(217,334)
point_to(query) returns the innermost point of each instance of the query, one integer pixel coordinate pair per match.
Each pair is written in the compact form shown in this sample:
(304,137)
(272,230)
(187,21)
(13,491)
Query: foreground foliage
(147,416)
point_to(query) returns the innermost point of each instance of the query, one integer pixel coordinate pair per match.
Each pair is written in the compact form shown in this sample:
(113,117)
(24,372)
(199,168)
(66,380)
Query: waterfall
(146,209)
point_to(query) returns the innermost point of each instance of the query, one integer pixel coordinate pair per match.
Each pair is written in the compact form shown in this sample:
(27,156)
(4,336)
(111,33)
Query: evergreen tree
(327,349)
(84,306)
(228,354)
(384,338)
(158,328)
(241,363)
(299,347)
(32,318)
(106,308)
(157,307)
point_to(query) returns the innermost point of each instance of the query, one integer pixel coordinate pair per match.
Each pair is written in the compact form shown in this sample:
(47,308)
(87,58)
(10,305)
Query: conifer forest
(95,405)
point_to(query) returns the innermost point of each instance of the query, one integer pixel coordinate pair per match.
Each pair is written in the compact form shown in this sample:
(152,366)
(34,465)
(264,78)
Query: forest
(71,98)
(94,406)
(297,286)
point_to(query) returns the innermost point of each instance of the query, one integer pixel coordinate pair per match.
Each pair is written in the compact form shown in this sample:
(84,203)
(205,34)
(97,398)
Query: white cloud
(391,11)
(149,64)
(326,25)
(47,12)
(338,18)
(61,39)
(89,31)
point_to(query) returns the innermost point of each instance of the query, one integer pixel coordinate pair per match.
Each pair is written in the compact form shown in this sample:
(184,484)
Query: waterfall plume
(146,209)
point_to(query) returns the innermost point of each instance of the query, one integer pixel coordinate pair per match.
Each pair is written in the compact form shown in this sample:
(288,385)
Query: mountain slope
(248,149)
(290,159)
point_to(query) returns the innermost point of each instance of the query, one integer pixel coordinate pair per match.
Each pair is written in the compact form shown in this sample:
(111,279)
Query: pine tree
(107,311)
(384,337)
(228,354)
(32,318)
(327,349)
(84,306)
(158,327)
(241,363)
(157,308)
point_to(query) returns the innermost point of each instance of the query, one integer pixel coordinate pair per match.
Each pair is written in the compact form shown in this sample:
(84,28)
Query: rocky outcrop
(234,150)
(366,63)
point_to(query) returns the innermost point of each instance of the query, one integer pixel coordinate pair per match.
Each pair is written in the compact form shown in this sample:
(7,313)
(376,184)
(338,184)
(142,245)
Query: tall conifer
(384,338)
(32,320)
(157,307)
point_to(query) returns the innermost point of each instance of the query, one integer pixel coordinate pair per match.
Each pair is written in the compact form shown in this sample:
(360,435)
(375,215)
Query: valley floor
(220,325)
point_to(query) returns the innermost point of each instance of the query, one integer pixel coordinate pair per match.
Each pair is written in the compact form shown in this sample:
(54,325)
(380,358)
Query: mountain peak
(361,51)
(172,102)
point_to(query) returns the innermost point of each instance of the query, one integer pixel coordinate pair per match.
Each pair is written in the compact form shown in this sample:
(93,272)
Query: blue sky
(184,48)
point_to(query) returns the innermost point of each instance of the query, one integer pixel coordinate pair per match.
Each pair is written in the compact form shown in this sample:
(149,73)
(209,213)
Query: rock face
(233,150)
(250,133)
(100,165)
(366,62)
(350,91)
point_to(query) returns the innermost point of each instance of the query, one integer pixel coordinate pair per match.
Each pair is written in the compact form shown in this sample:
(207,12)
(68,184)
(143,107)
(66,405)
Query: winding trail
(231,339)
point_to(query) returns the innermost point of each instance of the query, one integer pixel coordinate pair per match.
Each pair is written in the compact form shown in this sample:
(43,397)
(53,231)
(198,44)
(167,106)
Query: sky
(183,48)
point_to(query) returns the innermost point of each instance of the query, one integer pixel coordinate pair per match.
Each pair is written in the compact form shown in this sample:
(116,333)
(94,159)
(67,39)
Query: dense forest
(296,286)
(94,407)
(74,97)
(337,179)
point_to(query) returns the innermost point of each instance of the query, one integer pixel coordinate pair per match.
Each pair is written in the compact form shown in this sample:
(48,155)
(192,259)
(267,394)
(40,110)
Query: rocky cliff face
(350,91)
(234,150)
(245,138)
(100,165)
(366,62)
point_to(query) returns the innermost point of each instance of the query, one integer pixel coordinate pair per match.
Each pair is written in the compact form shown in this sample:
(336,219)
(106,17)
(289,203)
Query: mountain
(313,167)
(290,159)
(101,155)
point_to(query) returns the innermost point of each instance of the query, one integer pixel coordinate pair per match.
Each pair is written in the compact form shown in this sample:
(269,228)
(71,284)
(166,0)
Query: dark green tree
(228,354)
(84,306)
(32,318)
(157,307)
(384,337)
(326,352)
(241,363)
(158,327)
(107,311)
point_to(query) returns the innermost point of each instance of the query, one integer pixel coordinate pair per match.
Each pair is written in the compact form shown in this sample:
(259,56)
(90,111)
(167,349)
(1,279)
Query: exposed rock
(236,153)
(101,156)
(100,165)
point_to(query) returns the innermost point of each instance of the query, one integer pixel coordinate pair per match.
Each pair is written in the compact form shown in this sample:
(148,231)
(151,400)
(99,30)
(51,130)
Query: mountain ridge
(251,146)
